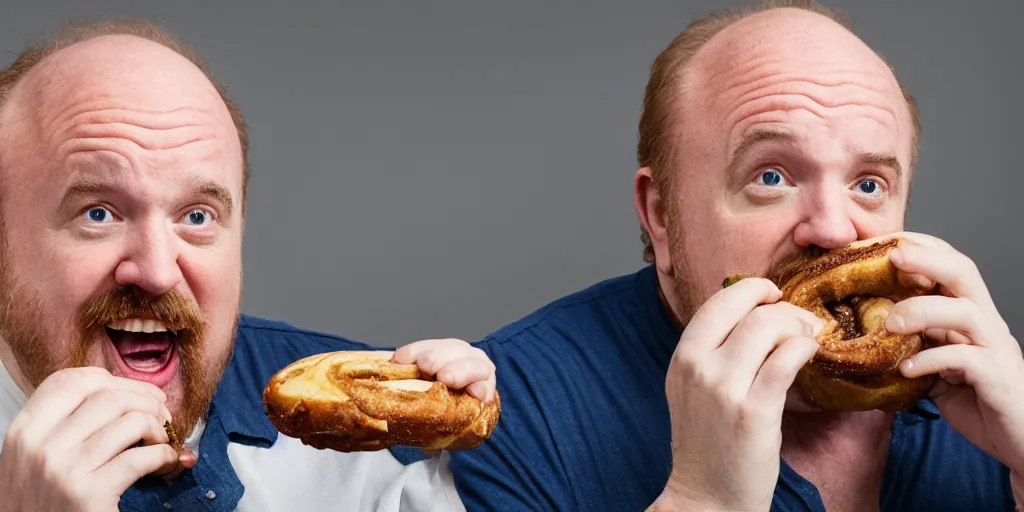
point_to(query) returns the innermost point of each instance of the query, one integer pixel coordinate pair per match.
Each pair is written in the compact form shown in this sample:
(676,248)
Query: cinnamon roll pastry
(853,289)
(362,401)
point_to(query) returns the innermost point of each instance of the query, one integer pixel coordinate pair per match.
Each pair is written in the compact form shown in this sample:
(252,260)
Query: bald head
(792,60)
(732,68)
(121,59)
(116,79)
(790,35)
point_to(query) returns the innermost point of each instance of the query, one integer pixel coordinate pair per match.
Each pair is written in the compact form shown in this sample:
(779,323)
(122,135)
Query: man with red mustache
(764,133)
(123,176)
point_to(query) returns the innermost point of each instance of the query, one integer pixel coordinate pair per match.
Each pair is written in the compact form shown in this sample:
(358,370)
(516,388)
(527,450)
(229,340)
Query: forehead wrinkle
(121,79)
(144,130)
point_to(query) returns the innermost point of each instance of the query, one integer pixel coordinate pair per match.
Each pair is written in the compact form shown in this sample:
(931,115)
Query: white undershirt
(292,476)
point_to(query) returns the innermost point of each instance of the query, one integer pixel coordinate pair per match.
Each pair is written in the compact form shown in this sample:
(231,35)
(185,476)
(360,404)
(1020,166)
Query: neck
(820,431)
(668,299)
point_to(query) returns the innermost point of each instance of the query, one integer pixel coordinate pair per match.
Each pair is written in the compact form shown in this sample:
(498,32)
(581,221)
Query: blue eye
(99,214)
(198,217)
(868,186)
(771,177)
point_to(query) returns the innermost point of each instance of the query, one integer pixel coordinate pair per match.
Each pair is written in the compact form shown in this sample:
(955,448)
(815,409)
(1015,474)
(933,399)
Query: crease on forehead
(116,86)
(787,52)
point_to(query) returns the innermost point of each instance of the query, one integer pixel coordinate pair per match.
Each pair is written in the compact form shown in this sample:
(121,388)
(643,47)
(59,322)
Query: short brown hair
(654,147)
(77,31)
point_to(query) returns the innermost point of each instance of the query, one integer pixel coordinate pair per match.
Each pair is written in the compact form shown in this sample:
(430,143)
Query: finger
(411,352)
(952,359)
(918,314)
(463,372)
(951,269)
(430,362)
(937,337)
(60,394)
(99,410)
(717,317)
(914,280)
(120,435)
(779,370)
(919,239)
(760,333)
(129,466)
(186,459)
(482,391)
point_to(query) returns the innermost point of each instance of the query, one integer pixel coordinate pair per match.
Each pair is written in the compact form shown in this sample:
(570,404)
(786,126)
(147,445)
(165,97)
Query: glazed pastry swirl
(856,365)
(361,401)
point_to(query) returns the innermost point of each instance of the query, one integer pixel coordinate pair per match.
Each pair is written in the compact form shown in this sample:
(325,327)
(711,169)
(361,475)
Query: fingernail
(895,323)
(906,365)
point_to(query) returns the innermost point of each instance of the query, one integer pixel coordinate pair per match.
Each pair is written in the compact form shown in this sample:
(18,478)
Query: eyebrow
(883,160)
(207,188)
(86,188)
(216,191)
(761,136)
(754,139)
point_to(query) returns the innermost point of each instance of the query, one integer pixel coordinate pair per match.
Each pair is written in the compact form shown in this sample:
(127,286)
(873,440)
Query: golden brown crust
(172,436)
(856,365)
(361,401)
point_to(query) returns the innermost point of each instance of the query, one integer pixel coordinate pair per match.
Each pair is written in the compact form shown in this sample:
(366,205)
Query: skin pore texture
(122,184)
(790,136)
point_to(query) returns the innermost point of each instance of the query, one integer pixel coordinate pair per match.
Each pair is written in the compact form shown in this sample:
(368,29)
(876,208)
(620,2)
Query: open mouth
(146,349)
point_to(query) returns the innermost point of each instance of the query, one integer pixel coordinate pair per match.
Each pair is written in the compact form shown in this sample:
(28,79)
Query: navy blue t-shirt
(585,423)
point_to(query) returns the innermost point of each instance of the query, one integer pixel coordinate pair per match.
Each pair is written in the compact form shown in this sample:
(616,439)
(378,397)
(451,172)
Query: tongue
(142,351)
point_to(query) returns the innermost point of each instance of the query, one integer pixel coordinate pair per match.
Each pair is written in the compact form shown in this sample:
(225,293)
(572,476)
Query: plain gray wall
(424,171)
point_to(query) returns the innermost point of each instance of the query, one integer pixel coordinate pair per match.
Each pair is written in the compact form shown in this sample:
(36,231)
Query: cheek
(63,274)
(214,278)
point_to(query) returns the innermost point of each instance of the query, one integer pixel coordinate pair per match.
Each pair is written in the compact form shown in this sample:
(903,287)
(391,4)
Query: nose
(151,260)
(826,221)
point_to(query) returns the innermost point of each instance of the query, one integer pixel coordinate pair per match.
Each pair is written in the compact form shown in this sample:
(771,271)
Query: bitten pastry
(362,401)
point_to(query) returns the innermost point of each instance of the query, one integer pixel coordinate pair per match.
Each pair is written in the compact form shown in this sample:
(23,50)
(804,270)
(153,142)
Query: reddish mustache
(173,309)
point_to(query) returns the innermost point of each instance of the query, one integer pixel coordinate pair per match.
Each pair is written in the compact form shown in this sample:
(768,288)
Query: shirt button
(167,504)
(210,495)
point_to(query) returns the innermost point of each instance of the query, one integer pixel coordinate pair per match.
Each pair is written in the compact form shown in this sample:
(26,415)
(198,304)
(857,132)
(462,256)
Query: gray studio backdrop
(440,170)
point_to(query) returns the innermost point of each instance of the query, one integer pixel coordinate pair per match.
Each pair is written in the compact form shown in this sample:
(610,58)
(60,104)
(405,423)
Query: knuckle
(106,397)
(141,423)
(763,314)
(728,399)
(967,264)
(49,467)
(428,362)
(479,353)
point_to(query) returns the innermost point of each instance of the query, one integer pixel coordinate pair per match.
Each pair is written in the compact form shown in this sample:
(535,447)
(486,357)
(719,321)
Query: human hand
(454,363)
(74,444)
(979,362)
(726,388)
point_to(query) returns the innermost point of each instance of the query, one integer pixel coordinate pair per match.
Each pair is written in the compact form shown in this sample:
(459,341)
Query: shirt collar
(927,408)
(238,402)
